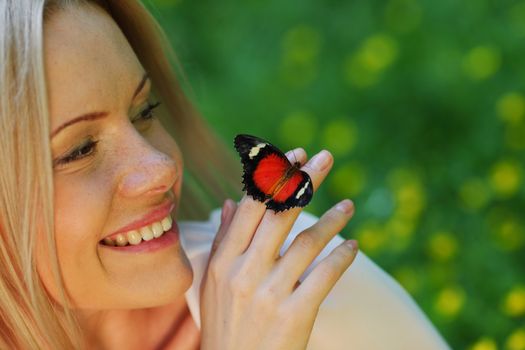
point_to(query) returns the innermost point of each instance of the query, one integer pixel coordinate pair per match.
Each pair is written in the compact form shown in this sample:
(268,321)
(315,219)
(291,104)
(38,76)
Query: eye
(89,148)
(85,150)
(147,113)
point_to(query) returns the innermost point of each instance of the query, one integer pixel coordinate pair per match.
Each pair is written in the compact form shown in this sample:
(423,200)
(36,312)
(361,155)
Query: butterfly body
(269,176)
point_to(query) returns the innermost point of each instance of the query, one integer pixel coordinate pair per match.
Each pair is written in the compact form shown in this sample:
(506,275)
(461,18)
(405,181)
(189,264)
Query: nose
(147,171)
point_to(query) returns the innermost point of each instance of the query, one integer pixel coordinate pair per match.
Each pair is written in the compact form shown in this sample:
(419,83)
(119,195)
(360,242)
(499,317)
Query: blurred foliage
(422,104)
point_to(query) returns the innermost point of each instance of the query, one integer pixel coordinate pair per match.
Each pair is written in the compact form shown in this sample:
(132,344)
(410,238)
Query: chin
(156,289)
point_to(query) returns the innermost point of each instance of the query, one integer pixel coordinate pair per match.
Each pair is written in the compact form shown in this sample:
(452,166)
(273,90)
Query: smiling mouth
(144,234)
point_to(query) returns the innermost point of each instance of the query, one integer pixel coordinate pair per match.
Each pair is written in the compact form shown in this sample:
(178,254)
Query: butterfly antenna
(293,152)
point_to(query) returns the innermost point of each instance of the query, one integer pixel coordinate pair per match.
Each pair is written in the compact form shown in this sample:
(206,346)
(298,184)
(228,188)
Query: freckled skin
(91,67)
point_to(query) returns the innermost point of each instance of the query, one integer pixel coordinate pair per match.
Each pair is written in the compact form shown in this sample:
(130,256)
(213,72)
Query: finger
(274,227)
(316,286)
(244,223)
(309,243)
(228,210)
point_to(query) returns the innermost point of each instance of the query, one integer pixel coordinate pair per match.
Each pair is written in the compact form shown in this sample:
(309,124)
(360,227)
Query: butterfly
(269,176)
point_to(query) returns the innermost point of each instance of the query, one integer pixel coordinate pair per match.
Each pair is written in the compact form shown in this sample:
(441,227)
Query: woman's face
(128,179)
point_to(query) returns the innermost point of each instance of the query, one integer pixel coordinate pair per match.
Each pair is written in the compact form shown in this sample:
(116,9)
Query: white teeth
(157,229)
(146,233)
(121,240)
(166,223)
(134,237)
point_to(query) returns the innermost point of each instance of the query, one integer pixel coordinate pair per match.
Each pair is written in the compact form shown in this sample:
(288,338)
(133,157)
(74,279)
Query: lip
(168,239)
(156,214)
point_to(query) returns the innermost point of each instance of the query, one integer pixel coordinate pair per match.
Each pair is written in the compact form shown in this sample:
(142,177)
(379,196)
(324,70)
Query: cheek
(80,214)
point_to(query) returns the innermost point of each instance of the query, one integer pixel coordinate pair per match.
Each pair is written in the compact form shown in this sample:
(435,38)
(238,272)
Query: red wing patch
(270,177)
(288,188)
(269,172)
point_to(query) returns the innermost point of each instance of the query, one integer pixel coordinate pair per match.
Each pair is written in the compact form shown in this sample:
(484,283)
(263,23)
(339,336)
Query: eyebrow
(97,115)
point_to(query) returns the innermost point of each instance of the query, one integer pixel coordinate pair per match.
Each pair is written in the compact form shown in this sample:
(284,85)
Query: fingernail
(321,160)
(293,151)
(346,206)
(290,152)
(352,243)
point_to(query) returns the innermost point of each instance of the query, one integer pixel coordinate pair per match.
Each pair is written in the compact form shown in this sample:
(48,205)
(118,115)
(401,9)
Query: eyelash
(90,145)
(147,113)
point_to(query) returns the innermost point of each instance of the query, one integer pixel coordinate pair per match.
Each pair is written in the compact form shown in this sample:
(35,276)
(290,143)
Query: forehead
(87,59)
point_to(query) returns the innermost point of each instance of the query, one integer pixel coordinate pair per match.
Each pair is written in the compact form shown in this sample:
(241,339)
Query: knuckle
(329,270)
(334,215)
(271,293)
(215,270)
(247,205)
(240,286)
(305,240)
(253,256)
(267,298)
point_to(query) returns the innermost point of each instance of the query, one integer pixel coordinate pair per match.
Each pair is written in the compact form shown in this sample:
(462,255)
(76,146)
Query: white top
(366,310)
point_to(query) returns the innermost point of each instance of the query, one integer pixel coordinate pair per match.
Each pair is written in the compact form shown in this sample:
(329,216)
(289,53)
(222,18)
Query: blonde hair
(29,318)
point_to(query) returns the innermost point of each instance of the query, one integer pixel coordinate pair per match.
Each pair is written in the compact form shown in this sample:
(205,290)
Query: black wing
(252,149)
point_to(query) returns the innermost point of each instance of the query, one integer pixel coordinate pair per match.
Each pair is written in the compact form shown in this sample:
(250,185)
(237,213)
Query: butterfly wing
(297,192)
(258,178)
(267,172)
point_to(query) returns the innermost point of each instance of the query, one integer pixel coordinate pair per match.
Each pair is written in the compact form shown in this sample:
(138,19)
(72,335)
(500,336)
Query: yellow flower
(400,228)
(506,178)
(301,46)
(400,232)
(364,67)
(378,52)
(408,278)
(514,302)
(409,194)
(340,136)
(509,233)
(511,107)
(450,301)
(410,199)
(298,129)
(484,343)
(347,180)
(516,341)
(442,246)
(474,194)
(372,238)
(481,62)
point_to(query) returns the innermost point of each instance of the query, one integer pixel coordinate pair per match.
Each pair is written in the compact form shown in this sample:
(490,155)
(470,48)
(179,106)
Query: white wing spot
(301,191)
(255,150)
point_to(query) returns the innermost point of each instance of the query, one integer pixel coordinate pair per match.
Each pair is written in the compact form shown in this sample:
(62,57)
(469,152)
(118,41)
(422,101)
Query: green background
(422,104)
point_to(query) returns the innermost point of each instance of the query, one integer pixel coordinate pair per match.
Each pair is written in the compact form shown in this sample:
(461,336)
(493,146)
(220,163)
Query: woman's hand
(250,296)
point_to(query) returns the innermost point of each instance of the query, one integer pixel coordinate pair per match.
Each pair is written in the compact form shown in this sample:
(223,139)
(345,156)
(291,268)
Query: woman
(90,255)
